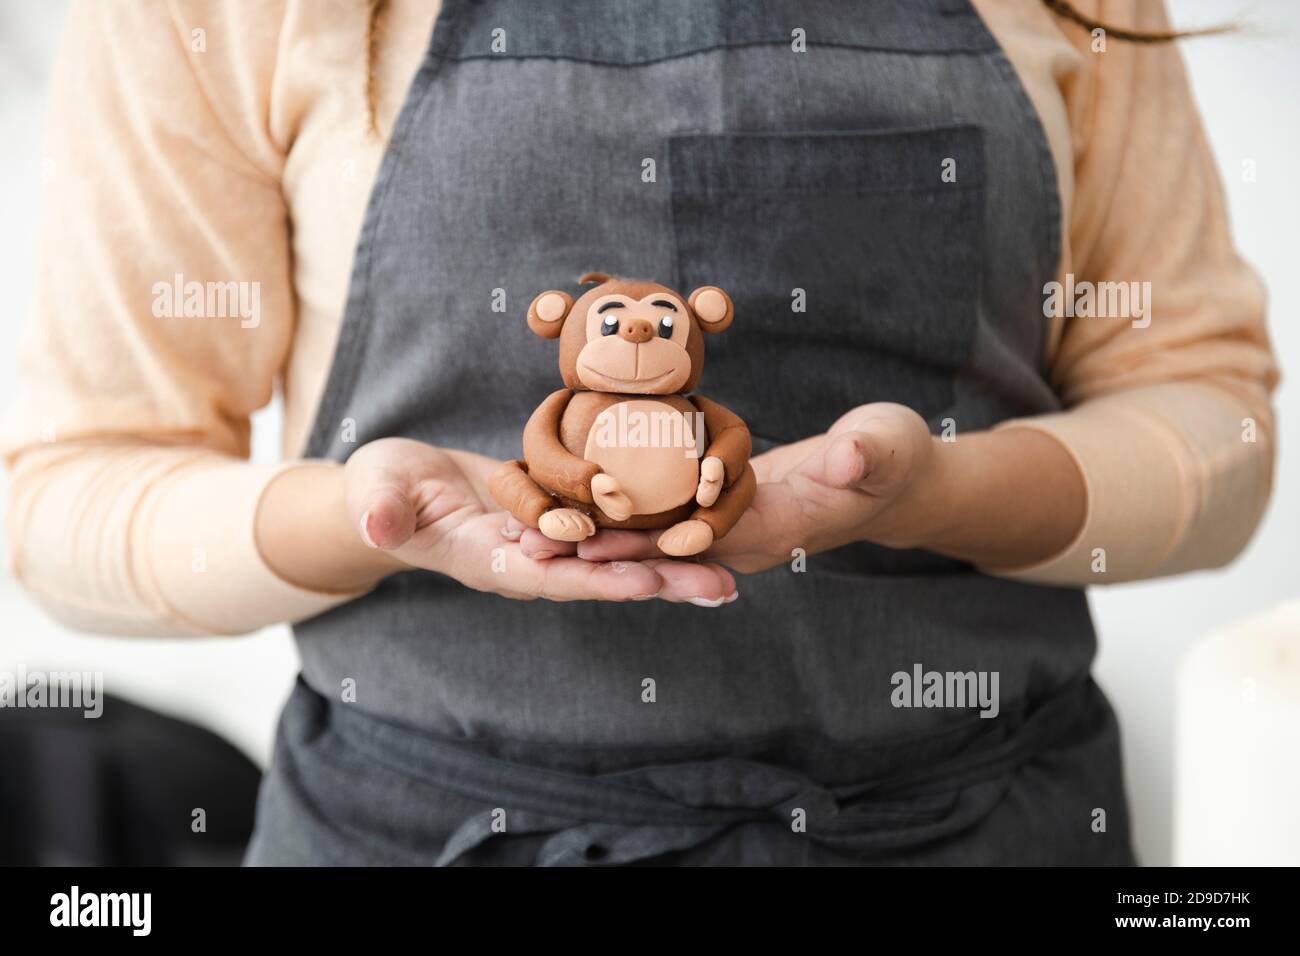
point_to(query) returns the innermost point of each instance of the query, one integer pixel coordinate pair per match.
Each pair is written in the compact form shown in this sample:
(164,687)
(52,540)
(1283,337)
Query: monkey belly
(652,449)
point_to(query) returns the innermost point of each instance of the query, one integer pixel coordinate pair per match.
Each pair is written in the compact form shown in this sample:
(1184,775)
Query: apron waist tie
(632,815)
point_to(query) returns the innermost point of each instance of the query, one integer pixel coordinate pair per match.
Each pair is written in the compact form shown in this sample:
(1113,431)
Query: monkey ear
(547,312)
(712,307)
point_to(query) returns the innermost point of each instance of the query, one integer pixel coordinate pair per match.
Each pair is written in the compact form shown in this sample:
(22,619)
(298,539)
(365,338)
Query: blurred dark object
(120,790)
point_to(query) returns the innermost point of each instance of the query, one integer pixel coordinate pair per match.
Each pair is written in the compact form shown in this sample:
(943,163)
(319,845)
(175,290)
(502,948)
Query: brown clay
(624,444)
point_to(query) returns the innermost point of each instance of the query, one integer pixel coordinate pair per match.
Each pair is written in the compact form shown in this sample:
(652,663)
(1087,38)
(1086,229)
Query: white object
(1237,745)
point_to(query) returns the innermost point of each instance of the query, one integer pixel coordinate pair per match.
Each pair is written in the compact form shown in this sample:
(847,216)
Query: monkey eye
(666,327)
(609,326)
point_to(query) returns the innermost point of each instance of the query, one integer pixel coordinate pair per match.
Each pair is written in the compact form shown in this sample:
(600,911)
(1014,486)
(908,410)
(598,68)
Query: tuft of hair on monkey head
(629,336)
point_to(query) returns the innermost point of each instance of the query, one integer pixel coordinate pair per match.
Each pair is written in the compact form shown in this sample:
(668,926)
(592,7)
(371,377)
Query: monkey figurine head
(630,337)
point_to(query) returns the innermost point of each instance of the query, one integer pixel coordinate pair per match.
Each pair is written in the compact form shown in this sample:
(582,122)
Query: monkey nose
(637,330)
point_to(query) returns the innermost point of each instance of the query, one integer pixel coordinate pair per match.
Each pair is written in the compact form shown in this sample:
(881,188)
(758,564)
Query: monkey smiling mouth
(641,383)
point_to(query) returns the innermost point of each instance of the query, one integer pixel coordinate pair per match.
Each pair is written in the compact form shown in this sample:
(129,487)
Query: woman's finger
(879,461)
(476,554)
(841,461)
(387,519)
(394,487)
(679,582)
(776,463)
(686,582)
(537,546)
(612,544)
(572,579)
(891,440)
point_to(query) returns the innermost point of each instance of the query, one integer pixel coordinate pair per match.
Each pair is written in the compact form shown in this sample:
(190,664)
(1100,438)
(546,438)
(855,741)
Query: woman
(887,660)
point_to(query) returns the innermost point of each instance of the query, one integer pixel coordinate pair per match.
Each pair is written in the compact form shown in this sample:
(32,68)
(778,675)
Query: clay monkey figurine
(624,444)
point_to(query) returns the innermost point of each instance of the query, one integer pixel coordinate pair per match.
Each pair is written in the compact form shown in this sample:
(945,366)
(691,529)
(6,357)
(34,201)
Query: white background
(1247,87)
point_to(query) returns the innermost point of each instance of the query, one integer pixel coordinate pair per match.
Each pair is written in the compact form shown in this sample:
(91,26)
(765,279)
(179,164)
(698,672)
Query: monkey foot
(566,524)
(686,538)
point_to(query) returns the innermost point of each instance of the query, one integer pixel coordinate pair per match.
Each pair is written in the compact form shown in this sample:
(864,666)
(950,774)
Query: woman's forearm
(998,499)
(306,537)
(144,539)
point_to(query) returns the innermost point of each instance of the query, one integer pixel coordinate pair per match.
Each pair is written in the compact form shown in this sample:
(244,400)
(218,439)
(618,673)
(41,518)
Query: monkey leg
(705,525)
(515,491)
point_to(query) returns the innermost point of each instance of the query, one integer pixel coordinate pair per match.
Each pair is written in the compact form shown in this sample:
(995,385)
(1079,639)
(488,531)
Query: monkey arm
(728,438)
(551,464)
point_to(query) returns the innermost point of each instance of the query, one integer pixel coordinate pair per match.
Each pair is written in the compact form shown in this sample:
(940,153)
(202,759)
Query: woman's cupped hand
(422,507)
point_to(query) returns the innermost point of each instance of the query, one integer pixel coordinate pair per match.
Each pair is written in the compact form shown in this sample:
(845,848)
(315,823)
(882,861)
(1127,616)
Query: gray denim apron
(877,163)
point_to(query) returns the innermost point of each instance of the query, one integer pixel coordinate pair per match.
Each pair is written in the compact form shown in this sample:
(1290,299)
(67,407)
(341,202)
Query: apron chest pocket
(854,259)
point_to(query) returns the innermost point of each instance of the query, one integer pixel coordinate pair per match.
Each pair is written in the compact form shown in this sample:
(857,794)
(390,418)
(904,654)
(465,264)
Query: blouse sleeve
(1167,413)
(162,314)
